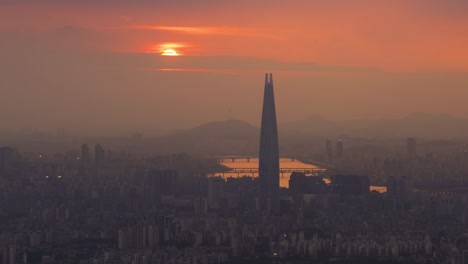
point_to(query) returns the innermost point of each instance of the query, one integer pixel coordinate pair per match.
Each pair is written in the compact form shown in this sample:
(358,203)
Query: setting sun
(169,52)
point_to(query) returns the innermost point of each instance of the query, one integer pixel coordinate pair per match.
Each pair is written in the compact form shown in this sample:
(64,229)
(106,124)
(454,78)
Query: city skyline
(136,132)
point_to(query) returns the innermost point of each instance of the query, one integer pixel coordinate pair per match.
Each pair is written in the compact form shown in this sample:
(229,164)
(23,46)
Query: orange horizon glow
(201,70)
(117,61)
(392,35)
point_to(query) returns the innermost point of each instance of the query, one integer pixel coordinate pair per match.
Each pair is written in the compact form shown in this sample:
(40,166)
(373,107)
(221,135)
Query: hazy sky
(96,65)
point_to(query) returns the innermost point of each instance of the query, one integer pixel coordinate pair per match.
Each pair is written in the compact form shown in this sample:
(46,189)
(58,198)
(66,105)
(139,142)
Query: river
(284,163)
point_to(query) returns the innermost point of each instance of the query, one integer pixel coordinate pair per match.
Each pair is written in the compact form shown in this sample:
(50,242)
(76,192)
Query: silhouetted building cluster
(350,184)
(400,191)
(299,183)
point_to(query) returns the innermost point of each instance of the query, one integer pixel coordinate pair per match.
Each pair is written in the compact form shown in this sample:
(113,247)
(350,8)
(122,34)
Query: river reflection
(284,163)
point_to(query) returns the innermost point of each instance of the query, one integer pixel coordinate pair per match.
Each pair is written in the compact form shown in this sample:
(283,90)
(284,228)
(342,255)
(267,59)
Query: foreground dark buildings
(132,209)
(269,153)
(119,207)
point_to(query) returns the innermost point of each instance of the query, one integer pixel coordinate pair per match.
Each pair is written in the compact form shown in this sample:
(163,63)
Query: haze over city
(97,66)
(233,132)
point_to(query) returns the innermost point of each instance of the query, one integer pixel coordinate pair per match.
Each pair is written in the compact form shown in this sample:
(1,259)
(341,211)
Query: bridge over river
(253,172)
(248,159)
(248,166)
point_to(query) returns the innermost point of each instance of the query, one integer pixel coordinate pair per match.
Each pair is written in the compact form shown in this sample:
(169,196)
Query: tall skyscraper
(411,147)
(215,192)
(269,153)
(339,149)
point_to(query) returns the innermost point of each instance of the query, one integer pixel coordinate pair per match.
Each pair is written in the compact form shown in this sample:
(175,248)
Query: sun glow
(171,49)
(169,52)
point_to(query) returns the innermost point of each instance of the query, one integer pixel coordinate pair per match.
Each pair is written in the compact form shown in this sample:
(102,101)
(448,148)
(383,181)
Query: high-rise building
(328,149)
(269,152)
(411,147)
(339,149)
(215,192)
(85,154)
(99,155)
(9,255)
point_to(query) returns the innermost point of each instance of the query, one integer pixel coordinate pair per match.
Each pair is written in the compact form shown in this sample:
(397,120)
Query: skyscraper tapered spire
(269,153)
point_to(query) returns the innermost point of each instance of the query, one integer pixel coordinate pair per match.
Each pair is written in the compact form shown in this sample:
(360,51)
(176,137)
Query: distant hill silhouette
(418,124)
(214,138)
(236,137)
(315,125)
(234,128)
(242,138)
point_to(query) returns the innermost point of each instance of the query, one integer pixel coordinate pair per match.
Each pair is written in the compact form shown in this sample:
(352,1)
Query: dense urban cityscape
(130,208)
(233,131)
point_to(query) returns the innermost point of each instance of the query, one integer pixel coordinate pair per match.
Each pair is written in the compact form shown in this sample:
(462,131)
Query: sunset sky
(98,64)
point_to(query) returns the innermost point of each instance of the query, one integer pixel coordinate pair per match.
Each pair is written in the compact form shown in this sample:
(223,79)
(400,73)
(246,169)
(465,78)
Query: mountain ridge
(237,136)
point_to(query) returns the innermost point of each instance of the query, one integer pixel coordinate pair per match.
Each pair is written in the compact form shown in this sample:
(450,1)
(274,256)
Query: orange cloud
(231,31)
(203,70)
